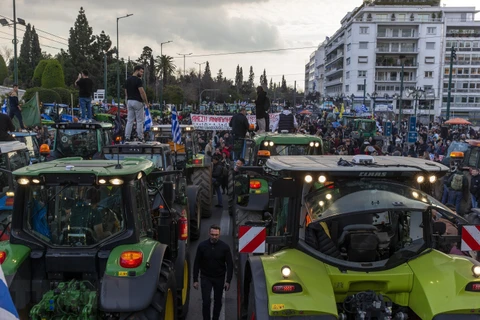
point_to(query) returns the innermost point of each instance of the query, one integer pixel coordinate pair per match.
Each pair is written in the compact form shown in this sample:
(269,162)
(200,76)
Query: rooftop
(8,146)
(286,138)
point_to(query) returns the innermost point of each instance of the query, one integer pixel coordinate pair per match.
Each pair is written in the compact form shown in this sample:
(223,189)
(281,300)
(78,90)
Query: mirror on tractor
(44,149)
(242,184)
(282,188)
(169,193)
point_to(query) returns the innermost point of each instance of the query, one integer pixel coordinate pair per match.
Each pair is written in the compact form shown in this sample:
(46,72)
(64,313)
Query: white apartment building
(364,58)
(314,71)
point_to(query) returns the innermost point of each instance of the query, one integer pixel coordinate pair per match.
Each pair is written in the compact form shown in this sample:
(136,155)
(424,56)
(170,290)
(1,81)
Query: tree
(284,88)
(264,80)
(173,94)
(239,78)
(219,76)
(24,68)
(207,80)
(35,51)
(3,70)
(251,78)
(270,87)
(145,59)
(52,76)
(166,67)
(37,74)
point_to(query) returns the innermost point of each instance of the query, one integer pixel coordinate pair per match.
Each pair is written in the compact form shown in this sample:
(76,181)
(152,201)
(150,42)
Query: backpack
(224,171)
(457,182)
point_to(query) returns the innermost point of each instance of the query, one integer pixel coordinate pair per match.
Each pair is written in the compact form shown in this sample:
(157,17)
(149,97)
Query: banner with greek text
(214,122)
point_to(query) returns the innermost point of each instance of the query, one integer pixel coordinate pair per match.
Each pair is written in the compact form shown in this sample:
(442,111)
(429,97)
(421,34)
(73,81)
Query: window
(429,59)
(423,17)
(363,45)
(349,46)
(360,87)
(347,75)
(348,61)
(431,30)
(430,45)
(349,32)
(362,73)
(382,17)
(363,59)
(428,74)
(143,220)
(347,88)
(363,30)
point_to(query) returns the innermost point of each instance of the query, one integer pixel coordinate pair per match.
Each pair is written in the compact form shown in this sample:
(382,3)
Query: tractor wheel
(231,193)
(241,217)
(202,177)
(183,294)
(251,303)
(195,217)
(163,305)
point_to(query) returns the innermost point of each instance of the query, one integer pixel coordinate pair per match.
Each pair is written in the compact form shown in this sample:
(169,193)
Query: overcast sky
(201,27)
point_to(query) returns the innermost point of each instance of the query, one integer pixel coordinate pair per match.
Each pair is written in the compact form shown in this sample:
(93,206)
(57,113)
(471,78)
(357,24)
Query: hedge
(52,76)
(3,70)
(37,74)
(64,95)
(44,95)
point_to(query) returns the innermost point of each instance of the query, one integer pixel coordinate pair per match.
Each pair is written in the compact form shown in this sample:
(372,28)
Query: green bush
(75,97)
(29,93)
(3,70)
(37,74)
(52,76)
(64,95)
(44,95)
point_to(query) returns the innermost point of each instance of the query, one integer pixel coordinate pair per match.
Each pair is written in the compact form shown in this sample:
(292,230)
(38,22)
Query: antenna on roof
(118,166)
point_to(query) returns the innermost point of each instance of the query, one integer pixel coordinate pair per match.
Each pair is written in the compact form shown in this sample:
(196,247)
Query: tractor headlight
(271,143)
(116,181)
(37,181)
(317,144)
(265,143)
(102,181)
(432,179)
(476,271)
(286,271)
(139,175)
(322,179)
(308,178)
(328,196)
(23,181)
(312,144)
(420,179)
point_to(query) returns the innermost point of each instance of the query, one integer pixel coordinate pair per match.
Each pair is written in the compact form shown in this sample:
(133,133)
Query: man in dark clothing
(15,108)
(213,260)
(239,125)
(217,177)
(135,95)
(85,91)
(286,122)
(6,125)
(260,111)
(475,187)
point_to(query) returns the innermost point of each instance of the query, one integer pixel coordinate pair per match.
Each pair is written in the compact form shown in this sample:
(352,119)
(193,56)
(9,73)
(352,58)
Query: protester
(286,122)
(6,126)
(260,111)
(135,95)
(475,187)
(214,263)
(239,125)
(15,107)
(85,92)
(217,176)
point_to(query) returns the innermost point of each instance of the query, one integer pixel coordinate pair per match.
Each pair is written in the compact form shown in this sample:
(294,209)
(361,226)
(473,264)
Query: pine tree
(284,84)
(220,76)
(35,51)
(271,85)
(24,65)
(251,78)
(3,70)
(238,79)
(264,80)
(207,80)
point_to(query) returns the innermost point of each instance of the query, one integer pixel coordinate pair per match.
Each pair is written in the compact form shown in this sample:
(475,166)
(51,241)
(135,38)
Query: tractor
(30,139)
(188,157)
(97,239)
(355,237)
(162,157)
(84,140)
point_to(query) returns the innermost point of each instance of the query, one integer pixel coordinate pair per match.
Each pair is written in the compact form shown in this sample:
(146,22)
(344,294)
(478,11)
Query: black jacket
(213,260)
(6,125)
(475,185)
(217,171)
(239,125)
(260,105)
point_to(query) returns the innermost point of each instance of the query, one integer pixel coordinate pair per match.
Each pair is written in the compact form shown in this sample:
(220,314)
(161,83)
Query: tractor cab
(363,233)
(56,112)
(84,140)
(30,139)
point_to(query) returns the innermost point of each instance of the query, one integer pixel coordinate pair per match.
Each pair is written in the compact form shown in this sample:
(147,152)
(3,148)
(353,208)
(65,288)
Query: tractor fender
(128,294)
(259,287)
(20,285)
(192,192)
(178,265)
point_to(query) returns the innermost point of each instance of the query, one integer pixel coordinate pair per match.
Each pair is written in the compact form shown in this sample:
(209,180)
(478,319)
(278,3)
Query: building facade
(364,59)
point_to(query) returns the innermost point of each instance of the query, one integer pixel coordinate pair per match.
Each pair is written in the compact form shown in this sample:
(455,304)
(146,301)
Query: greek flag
(177,136)
(147,125)
(364,108)
(7,308)
(4,107)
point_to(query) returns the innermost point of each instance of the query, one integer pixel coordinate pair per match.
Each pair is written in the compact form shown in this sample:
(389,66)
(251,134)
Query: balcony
(334,82)
(462,90)
(396,65)
(333,71)
(462,63)
(334,45)
(334,58)
(390,36)
(395,79)
(396,50)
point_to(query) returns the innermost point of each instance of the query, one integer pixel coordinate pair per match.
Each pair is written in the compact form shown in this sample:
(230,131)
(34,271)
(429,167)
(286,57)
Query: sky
(200,27)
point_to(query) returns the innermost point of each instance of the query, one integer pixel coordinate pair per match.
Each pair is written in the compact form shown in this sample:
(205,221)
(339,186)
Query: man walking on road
(135,95)
(15,108)
(85,91)
(213,260)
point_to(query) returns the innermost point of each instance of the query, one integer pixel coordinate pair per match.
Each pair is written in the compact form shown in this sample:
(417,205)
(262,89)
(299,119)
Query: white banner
(213,122)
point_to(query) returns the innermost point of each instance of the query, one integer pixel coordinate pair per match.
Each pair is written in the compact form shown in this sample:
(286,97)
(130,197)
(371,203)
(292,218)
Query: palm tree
(165,67)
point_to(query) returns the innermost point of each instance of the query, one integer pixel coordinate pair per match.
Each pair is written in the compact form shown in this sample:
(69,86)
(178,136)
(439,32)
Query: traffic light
(453,53)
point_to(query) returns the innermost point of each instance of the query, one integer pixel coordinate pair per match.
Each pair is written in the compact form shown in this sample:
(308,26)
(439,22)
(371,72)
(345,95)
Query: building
(365,57)
(314,74)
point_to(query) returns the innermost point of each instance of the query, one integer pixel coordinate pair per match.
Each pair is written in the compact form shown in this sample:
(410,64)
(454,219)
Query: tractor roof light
(476,271)
(420,179)
(456,154)
(131,259)
(139,175)
(317,144)
(23,181)
(102,181)
(116,181)
(265,143)
(432,179)
(271,143)
(36,181)
(308,178)
(286,271)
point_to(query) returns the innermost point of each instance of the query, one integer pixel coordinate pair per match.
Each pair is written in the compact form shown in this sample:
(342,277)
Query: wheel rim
(185,282)
(169,312)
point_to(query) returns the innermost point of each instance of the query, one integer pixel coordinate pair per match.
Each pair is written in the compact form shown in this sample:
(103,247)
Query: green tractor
(257,151)
(187,157)
(365,129)
(84,140)
(355,238)
(162,157)
(98,239)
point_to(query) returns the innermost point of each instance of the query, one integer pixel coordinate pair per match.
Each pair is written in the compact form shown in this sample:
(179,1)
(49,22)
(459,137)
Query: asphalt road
(220,217)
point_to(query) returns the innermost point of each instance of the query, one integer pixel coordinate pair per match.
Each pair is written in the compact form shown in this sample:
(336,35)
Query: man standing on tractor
(286,122)
(135,95)
(213,260)
(239,125)
(260,111)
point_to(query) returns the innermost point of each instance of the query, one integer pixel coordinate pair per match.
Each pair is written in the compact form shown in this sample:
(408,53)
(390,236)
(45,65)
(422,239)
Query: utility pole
(184,55)
(15,42)
(364,90)
(118,65)
(401,95)
(161,71)
(295,94)
(453,55)
(200,82)
(105,76)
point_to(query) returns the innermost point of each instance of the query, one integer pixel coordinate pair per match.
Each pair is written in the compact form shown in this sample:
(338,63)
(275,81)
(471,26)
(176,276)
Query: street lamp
(373,96)
(161,70)
(4,22)
(200,81)
(416,94)
(118,64)
(184,55)
(402,57)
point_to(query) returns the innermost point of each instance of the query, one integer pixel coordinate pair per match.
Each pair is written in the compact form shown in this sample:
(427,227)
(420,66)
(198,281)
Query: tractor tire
(251,303)
(164,303)
(231,193)
(202,177)
(241,216)
(195,223)
(183,294)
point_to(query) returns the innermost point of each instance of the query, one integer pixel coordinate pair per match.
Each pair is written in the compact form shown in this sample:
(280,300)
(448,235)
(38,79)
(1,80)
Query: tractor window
(76,143)
(281,216)
(3,175)
(291,150)
(249,152)
(473,158)
(74,216)
(18,159)
(142,213)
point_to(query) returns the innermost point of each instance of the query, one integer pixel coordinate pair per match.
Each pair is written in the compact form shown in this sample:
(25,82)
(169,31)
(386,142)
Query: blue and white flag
(113,102)
(4,107)
(364,108)
(147,125)
(177,136)
(7,308)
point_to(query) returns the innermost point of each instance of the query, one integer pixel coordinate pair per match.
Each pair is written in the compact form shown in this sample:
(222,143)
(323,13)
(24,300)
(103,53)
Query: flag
(4,107)
(177,136)
(7,308)
(147,125)
(113,101)
(364,108)
(342,110)
(30,114)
